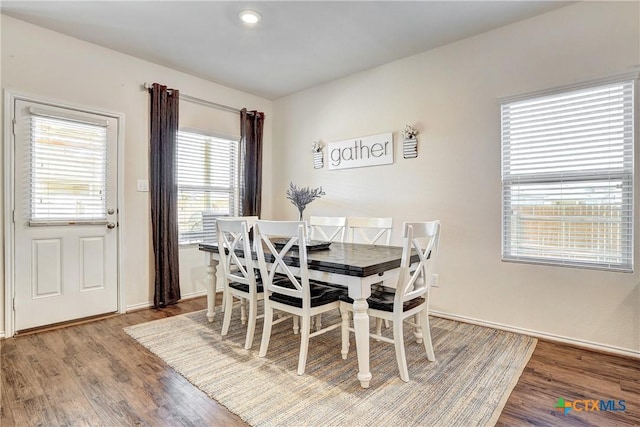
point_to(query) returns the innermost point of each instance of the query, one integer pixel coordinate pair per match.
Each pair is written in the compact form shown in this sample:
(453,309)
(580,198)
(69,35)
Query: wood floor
(94,374)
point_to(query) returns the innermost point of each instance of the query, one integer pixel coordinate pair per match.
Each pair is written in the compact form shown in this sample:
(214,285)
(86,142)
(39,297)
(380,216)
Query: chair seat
(260,289)
(382,299)
(321,294)
(243,287)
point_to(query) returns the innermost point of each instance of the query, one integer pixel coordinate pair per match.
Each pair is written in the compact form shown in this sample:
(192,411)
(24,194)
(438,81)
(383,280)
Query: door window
(67,170)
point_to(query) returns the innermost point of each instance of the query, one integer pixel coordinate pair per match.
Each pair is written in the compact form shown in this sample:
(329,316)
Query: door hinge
(13,126)
(14,303)
(13,216)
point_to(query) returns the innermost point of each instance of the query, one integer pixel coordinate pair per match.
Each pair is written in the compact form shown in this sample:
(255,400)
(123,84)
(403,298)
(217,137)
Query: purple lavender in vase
(301,197)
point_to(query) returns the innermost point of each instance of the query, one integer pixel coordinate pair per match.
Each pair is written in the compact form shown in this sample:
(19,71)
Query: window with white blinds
(567,178)
(67,170)
(207,169)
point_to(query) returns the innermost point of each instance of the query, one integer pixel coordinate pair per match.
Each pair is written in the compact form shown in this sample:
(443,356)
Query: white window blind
(67,170)
(207,169)
(567,178)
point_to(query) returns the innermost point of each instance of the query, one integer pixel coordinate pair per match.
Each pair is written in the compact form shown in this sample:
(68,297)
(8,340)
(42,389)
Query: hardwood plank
(557,370)
(95,374)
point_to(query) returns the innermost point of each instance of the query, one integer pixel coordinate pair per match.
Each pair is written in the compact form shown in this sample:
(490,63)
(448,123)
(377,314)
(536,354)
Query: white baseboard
(1,335)
(194,295)
(148,304)
(543,335)
(138,306)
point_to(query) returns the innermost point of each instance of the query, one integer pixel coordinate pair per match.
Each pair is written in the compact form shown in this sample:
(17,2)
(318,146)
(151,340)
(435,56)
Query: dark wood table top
(350,259)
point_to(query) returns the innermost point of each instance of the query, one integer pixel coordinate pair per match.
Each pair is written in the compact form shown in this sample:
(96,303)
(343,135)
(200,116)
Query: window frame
(233,191)
(626,175)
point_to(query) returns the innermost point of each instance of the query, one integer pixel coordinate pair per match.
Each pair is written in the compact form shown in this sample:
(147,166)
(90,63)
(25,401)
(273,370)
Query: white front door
(65,214)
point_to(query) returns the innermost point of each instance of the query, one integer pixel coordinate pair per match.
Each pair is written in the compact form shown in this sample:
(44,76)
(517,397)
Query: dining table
(356,266)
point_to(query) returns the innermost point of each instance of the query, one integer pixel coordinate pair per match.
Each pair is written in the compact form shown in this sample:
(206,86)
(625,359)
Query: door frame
(10,97)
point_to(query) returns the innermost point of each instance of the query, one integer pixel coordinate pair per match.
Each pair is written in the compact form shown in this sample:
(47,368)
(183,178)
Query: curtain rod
(200,101)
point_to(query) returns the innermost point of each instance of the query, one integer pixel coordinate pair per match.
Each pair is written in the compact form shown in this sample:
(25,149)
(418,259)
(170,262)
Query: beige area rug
(475,370)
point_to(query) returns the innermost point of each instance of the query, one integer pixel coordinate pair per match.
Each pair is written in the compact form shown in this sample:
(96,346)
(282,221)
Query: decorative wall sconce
(410,142)
(318,155)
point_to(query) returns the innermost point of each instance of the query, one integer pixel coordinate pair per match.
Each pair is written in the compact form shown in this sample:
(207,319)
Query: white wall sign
(359,152)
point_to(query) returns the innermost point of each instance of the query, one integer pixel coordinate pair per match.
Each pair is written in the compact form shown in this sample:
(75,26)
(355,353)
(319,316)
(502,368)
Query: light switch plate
(435,282)
(143,185)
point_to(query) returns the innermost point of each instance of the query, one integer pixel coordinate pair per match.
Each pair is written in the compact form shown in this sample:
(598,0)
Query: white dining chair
(370,231)
(327,228)
(289,293)
(410,296)
(240,281)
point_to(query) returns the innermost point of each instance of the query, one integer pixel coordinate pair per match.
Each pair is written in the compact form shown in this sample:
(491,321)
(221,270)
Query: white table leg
(211,289)
(361,326)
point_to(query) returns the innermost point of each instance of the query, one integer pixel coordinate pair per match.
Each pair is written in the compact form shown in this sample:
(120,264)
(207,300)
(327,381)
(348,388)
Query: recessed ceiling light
(250,16)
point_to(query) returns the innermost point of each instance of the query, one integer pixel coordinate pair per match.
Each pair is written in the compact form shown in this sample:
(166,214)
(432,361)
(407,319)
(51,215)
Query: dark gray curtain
(164,193)
(251,124)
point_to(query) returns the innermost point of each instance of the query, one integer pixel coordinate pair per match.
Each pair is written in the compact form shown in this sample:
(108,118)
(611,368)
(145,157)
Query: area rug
(475,370)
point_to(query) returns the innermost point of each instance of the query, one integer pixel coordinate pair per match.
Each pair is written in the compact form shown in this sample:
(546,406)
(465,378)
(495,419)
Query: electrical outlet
(434,281)
(142,185)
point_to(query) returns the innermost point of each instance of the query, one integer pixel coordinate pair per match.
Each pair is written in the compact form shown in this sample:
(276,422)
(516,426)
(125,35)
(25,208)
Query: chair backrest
(251,220)
(294,236)
(233,235)
(372,231)
(328,228)
(424,239)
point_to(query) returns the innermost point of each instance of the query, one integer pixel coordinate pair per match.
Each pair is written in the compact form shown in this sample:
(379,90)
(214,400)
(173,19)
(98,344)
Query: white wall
(452,95)
(45,64)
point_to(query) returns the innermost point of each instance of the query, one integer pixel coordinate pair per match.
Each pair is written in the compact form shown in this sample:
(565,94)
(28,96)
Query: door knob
(111,225)
(110,211)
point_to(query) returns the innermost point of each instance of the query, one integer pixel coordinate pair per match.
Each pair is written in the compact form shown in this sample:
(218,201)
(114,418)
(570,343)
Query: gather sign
(359,152)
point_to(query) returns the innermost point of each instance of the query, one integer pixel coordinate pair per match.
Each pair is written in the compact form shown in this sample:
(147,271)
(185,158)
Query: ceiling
(297,45)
